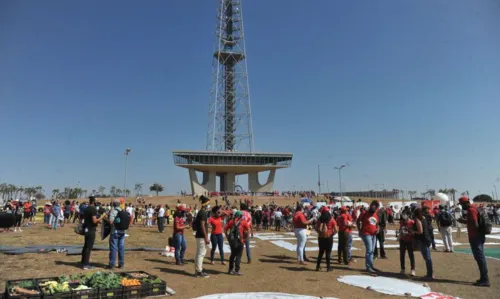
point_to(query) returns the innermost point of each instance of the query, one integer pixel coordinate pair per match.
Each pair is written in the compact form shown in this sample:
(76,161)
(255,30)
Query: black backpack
(122,220)
(485,225)
(445,219)
(234,237)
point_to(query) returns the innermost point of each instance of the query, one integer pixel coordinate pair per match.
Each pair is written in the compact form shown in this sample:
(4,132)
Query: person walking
(120,222)
(179,240)
(216,236)
(326,228)
(167,214)
(90,223)
(56,211)
(237,231)
(444,221)
(476,239)
(344,221)
(406,242)
(382,216)
(422,234)
(300,224)
(161,219)
(201,227)
(368,227)
(18,214)
(248,218)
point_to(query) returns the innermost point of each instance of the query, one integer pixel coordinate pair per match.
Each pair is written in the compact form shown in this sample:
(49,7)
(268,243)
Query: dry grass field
(273,268)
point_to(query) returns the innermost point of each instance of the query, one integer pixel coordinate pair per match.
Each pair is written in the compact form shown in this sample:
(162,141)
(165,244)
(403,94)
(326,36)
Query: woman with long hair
(300,224)
(422,235)
(216,236)
(406,242)
(326,228)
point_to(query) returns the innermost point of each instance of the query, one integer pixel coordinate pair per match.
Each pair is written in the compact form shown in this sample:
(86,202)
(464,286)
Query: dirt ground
(273,268)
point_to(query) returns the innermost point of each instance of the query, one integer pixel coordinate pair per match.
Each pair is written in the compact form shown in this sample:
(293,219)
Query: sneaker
(370,270)
(178,263)
(202,275)
(318,268)
(109,267)
(88,267)
(121,267)
(402,271)
(231,272)
(20,230)
(413,273)
(249,261)
(238,273)
(329,269)
(375,269)
(482,284)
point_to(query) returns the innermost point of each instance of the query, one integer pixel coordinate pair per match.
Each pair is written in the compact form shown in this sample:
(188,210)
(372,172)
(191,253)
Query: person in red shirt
(237,233)
(406,242)
(180,241)
(300,224)
(368,227)
(216,236)
(344,220)
(476,239)
(326,228)
(248,219)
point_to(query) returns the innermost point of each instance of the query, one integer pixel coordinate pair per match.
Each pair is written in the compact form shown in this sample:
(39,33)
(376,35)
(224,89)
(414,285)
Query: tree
(395,193)
(55,192)
(412,193)
(101,190)
(156,187)
(138,188)
(127,192)
(112,191)
(118,192)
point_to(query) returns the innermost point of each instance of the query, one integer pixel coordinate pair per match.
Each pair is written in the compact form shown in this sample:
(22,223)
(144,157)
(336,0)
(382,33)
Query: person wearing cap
(344,221)
(201,227)
(236,244)
(368,227)
(90,221)
(326,226)
(476,240)
(444,221)
(178,231)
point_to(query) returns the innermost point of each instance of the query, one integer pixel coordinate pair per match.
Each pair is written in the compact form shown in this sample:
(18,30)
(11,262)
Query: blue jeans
(370,247)
(46,219)
(426,254)
(349,247)
(247,247)
(117,244)
(477,247)
(217,241)
(54,222)
(180,247)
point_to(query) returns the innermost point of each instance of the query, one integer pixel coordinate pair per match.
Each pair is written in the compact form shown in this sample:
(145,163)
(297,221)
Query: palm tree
(395,193)
(431,193)
(412,193)
(127,192)
(156,187)
(101,190)
(55,192)
(16,190)
(138,188)
(67,192)
(118,192)
(112,191)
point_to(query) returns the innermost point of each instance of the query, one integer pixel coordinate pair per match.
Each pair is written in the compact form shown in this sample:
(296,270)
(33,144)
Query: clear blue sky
(407,92)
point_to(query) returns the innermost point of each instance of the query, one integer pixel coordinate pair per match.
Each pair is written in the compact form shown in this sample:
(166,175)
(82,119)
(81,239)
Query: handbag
(80,229)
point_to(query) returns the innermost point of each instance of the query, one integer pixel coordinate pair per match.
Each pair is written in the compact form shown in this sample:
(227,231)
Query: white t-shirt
(161,212)
(277,214)
(130,211)
(150,212)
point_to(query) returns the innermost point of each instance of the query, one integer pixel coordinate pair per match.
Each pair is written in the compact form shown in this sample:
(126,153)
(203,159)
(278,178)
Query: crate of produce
(108,284)
(23,288)
(151,284)
(66,287)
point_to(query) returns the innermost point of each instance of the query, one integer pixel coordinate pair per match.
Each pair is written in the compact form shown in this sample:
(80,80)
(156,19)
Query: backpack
(122,220)
(445,219)
(484,222)
(234,236)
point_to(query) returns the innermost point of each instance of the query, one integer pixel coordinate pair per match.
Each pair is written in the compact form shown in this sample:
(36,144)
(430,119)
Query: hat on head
(238,214)
(463,199)
(204,200)
(180,208)
(343,209)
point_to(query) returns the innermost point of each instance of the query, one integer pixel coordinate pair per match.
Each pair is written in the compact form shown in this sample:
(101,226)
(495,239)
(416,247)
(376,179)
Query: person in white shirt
(130,211)
(150,211)
(161,219)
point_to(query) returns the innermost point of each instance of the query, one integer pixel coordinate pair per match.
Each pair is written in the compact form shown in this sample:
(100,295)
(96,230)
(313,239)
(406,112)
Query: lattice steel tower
(230,117)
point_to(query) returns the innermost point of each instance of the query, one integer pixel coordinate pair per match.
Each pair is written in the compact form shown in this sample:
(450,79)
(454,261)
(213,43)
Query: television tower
(230,117)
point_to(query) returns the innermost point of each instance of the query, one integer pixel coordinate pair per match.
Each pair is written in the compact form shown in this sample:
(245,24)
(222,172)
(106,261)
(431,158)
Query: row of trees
(13,191)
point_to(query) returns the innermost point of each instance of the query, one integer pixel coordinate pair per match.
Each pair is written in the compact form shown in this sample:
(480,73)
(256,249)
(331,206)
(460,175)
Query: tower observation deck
(230,145)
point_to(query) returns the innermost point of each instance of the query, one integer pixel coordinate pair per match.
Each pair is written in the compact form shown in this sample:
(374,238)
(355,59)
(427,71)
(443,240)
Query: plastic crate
(149,289)
(114,293)
(86,294)
(13,283)
(133,292)
(48,295)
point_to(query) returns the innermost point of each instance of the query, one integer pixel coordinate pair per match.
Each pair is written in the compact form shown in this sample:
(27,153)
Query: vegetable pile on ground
(145,278)
(130,282)
(104,280)
(23,288)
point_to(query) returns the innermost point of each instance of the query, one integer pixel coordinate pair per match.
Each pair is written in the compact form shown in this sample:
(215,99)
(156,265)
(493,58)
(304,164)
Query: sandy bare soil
(273,268)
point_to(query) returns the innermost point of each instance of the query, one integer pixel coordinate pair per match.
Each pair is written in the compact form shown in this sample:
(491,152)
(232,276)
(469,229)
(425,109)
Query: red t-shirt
(286,212)
(27,208)
(389,212)
(243,228)
(178,221)
(404,230)
(298,220)
(216,223)
(329,226)
(247,217)
(369,223)
(472,216)
(342,221)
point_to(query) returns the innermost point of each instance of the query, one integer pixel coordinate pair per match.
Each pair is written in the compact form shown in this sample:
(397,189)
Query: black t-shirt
(201,218)
(90,211)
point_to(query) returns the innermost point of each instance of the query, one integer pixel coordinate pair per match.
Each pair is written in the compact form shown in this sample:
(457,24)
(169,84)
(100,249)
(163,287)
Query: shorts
(27,215)
(66,216)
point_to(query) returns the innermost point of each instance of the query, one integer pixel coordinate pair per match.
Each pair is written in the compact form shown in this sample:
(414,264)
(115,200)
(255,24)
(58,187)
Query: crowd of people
(236,223)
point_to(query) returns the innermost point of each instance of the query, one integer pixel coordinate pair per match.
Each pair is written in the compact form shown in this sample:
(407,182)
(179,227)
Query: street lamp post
(340,182)
(127,151)
(496,195)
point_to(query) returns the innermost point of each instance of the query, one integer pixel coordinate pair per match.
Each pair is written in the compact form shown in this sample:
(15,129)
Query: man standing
(368,226)
(56,210)
(247,217)
(161,219)
(201,227)
(344,222)
(236,231)
(90,223)
(120,221)
(382,216)
(179,240)
(476,239)
(444,221)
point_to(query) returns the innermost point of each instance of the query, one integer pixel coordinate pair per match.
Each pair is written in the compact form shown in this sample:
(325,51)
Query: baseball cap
(463,199)
(238,214)
(343,209)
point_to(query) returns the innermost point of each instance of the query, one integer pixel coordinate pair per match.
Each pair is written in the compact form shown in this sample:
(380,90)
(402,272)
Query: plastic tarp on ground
(262,295)
(386,285)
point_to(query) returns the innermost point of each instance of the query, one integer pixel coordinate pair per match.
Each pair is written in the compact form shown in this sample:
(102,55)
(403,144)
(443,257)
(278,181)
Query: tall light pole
(496,195)
(127,151)
(319,182)
(340,182)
